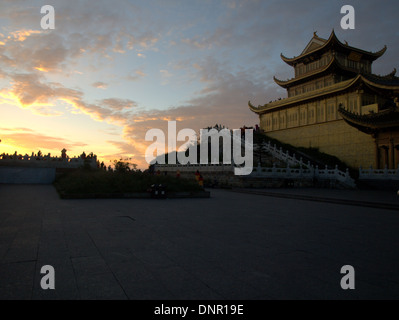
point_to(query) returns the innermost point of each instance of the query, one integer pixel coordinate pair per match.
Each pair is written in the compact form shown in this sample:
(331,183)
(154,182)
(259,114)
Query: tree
(124,166)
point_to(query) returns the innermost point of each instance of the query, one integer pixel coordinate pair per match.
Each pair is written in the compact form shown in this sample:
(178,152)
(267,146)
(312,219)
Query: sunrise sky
(111,70)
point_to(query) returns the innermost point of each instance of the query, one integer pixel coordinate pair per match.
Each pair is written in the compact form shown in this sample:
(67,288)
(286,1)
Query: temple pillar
(396,157)
(386,157)
(376,155)
(391,154)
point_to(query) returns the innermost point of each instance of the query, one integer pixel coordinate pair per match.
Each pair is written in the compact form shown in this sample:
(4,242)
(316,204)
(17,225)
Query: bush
(83,182)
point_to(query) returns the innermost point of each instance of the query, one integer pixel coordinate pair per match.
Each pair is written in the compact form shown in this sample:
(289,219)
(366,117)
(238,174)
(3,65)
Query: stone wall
(27,175)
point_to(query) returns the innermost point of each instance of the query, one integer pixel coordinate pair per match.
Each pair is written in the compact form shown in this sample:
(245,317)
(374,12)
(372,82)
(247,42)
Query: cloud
(226,100)
(166,75)
(100,85)
(34,141)
(37,51)
(21,35)
(231,5)
(31,91)
(94,31)
(125,148)
(28,89)
(135,75)
(16,129)
(224,96)
(198,43)
(118,104)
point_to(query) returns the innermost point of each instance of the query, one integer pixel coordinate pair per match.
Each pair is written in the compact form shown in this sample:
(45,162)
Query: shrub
(99,181)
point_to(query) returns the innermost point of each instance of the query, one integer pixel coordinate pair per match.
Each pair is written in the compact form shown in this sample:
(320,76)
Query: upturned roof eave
(338,87)
(333,40)
(333,63)
(366,123)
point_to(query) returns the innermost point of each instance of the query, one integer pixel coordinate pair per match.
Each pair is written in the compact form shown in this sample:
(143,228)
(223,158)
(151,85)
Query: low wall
(27,175)
(48,162)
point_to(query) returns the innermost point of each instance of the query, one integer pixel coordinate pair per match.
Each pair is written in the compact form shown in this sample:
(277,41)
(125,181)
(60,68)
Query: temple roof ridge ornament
(252,107)
(333,42)
(390,75)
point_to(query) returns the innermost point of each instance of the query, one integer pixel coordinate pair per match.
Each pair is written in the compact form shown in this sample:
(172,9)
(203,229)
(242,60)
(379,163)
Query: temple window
(352,64)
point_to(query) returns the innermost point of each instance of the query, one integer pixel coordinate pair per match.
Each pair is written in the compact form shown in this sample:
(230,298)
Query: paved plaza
(232,246)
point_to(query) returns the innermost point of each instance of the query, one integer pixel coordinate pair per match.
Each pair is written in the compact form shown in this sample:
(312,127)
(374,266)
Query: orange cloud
(21,35)
(25,140)
(41,69)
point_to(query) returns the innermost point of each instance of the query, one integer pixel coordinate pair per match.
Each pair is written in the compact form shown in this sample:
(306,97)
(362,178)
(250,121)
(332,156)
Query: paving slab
(385,199)
(233,245)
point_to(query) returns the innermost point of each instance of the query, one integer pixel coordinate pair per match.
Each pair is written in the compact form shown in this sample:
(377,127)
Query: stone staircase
(298,168)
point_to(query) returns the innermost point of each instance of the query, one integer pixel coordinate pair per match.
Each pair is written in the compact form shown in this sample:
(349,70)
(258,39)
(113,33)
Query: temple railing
(304,173)
(267,172)
(282,155)
(292,160)
(378,174)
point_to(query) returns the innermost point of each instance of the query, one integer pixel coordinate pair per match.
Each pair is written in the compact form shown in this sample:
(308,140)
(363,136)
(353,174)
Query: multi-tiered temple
(335,103)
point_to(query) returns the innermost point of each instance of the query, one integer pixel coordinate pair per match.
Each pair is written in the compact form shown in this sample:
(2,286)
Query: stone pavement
(231,246)
(383,199)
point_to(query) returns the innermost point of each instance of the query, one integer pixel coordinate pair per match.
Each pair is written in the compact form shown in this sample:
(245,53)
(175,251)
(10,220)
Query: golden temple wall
(333,137)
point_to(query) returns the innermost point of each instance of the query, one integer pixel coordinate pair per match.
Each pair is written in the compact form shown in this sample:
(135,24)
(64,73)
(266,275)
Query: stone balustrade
(282,155)
(304,173)
(274,172)
(378,174)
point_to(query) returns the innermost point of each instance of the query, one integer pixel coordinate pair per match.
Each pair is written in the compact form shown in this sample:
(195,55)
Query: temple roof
(373,122)
(387,80)
(278,104)
(333,64)
(319,45)
(371,81)
(314,44)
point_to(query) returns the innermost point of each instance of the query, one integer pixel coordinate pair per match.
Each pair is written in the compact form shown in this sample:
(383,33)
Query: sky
(112,70)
